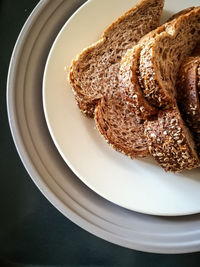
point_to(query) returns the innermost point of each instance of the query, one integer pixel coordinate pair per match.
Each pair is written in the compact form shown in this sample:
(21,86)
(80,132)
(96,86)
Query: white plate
(138,185)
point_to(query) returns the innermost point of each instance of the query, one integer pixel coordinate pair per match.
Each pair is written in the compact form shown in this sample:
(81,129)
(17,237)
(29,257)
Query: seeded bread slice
(170,142)
(188,92)
(162,55)
(95,71)
(188,95)
(131,85)
(116,121)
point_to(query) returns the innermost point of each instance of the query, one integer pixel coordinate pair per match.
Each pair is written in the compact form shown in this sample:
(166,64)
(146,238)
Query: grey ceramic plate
(47,169)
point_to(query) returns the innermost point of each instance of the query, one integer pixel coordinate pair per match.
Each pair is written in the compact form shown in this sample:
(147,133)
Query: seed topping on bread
(170,142)
(163,54)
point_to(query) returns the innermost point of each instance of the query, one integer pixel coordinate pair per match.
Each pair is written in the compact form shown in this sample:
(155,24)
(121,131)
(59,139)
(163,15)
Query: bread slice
(188,92)
(180,13)
(95,71)
(170,142)
(162,55)
(130,83)
(116,121)
(188,95)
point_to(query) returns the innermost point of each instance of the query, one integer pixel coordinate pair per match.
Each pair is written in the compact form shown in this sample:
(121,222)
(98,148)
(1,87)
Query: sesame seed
(179,141)
(152,135)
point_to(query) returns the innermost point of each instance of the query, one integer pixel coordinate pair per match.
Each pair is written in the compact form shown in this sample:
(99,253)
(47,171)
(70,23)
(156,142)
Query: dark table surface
(32,231)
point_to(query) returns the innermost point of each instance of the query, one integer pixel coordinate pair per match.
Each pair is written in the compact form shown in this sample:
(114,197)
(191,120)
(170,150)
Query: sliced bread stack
(94,75)
(162,55)
(159,56)
(129,87)
(130,75)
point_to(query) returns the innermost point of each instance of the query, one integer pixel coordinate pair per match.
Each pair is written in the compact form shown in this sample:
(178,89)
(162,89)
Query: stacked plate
(131,203)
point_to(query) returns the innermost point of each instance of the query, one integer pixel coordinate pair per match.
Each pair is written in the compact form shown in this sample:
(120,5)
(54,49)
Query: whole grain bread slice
(116,121)
(170,142)
(95,71)
(188,92)
(188,95)
(197,131)
(130,83)
(162,55)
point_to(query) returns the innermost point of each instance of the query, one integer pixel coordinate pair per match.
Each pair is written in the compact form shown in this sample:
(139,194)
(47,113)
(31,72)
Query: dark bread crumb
(95,71)
(116,121)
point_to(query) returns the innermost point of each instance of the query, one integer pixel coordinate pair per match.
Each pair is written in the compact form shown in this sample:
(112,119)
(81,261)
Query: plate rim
(31,167)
